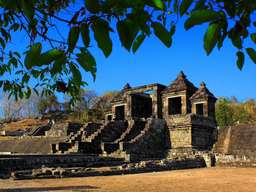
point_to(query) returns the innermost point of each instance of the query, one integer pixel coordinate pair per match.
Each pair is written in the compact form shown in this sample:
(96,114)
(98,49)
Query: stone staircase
(125,144)
(72,144)
(147,144)
(138,139)
(39,131)
(89,138)
(134,128)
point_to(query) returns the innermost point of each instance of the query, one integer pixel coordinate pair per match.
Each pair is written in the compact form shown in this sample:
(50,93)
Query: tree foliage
(230,112)
(56,61)
(101,105)
(47,104)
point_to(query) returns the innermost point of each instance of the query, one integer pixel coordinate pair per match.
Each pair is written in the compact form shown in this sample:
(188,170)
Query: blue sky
(154,63)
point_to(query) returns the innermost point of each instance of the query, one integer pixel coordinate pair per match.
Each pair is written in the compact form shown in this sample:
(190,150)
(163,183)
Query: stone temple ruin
(148,122)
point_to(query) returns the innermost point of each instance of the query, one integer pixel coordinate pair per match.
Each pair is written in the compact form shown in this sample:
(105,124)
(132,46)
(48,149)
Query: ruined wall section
(150,142)
(180,130)
(237,140)
(204,132)
(27,145)
(191,131)
(63,129)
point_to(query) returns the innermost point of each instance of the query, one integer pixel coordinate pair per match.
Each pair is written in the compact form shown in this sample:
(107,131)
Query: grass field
(192,180)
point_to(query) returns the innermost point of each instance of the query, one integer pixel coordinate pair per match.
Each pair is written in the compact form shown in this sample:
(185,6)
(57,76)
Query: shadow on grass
(43,189)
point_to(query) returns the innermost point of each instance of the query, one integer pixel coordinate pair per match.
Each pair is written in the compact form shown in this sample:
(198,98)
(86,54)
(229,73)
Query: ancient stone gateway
(150,121)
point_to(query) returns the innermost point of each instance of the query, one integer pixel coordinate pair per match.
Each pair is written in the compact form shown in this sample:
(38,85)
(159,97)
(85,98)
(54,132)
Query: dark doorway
(109,117)
(200,109)
(174,106)
(141,106)
(119,112)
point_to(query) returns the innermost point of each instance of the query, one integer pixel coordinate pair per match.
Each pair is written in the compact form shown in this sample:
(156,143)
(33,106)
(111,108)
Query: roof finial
(202,85)
(126,87)
(181,75)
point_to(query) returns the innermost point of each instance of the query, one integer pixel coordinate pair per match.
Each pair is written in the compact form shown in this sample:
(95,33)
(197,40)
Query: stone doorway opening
(119,112)
(200,109)
(141,106)
(174,106)
(109,117)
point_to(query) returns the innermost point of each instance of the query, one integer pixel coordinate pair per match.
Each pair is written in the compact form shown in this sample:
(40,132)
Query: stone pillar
(128,107)
(154,105)
(184,104)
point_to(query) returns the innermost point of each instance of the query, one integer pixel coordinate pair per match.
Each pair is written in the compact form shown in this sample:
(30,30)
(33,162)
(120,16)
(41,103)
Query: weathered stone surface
(237,140)
(158,117)
(153,127)
(29,145)
(235,161)
(126,168)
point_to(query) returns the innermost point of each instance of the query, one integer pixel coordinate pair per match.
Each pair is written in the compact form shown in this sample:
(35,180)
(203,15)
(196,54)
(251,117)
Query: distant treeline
(230,112)
(91,107)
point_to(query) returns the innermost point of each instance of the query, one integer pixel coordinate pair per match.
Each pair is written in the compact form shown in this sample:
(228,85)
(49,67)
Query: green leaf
(253,37)
(2,42)
(101,30)
(85,34)
(162,34)
(87,62)
(199,5)
(50,56)
(230,7)
(25,78)
(159,4)
(77,77)
(252,53)
(211,37)
(240,60)
(15,27)
(235,38)
(138,41)
(221,40)
(201,16)
(92,5)
(58,64)
(35,73)
(185,4)
(73,38)
(175,6)
(127,32)
(32,55)
(28,10)
(173,29)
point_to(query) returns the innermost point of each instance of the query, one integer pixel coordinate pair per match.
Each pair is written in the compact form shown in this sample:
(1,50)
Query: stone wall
(63,129)
(112,167)
(9,163)
(235,161)
(36,145)
(150,143)
(191,131)
(237,140)
(58,130)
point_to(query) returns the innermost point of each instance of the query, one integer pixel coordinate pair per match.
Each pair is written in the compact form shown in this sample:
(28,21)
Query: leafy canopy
(59,67)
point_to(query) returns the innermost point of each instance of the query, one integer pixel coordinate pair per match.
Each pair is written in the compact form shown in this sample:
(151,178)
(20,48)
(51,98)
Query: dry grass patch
(23,124)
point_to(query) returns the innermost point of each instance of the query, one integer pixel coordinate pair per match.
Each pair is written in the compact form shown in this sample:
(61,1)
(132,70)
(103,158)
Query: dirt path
(193,180)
